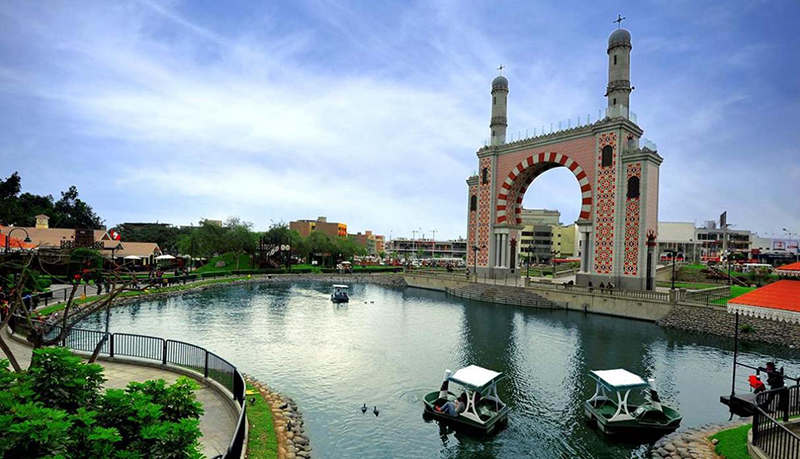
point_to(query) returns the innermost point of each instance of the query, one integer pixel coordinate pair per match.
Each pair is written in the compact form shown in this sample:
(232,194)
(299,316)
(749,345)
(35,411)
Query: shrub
(56,410)
(61,380)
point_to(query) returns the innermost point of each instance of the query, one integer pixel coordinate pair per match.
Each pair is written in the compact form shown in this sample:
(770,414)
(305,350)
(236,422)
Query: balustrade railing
(519,282)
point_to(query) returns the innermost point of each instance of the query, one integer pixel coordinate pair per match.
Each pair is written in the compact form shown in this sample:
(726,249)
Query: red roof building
(777,301)
(792,269)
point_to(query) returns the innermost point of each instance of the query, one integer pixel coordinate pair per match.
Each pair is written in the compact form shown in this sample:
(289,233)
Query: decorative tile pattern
(512,190)
(632,211)
(484,212)
(604,210)
(471,219)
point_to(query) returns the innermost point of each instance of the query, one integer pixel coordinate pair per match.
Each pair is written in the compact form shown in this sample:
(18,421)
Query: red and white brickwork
(521,168)
(484,212)
(604,208)
(632,211)
(472,219)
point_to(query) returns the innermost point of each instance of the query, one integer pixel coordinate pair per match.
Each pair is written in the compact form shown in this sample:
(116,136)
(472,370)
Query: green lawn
(733,442)
(694,267)
(736,290)
(687,285)
(245,262)
(261,442)
(174,288)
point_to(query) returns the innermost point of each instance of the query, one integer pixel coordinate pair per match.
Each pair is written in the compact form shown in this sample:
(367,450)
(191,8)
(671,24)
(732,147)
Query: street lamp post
(672,253)
(27,239)
(475,249)
(797,246)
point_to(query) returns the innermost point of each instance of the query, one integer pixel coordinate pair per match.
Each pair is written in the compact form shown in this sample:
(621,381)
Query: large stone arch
(509,200)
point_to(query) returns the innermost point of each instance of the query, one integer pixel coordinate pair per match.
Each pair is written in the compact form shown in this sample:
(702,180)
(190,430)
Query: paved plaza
(217,423)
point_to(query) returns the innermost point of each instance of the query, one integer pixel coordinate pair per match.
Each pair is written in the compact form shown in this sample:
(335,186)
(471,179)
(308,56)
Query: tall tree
(21,210)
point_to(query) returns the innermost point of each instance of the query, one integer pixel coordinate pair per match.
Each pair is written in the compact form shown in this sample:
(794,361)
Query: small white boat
(339,294)
(481,407)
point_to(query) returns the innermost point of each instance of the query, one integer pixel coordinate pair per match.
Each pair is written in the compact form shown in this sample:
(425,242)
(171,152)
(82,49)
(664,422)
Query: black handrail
(769,434)
(171,352)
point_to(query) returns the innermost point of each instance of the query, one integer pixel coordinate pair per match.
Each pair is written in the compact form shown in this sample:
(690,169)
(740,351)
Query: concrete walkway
(217,423)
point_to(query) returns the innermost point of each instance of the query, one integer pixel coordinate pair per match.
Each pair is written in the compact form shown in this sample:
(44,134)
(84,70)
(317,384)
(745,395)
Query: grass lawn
(305,266)
(245,262)
(694,266)
(687,285)
(174,288)
(736,290)
(262,442)
(733,442)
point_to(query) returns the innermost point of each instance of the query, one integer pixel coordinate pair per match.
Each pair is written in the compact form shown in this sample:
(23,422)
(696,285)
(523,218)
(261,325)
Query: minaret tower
(499,121)
(619,69)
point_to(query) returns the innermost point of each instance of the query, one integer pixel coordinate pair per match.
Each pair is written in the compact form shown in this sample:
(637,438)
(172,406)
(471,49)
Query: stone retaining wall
(716,320)
(691,443)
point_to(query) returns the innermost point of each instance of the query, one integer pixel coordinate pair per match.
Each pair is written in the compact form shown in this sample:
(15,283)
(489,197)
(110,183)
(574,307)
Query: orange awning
(777,301)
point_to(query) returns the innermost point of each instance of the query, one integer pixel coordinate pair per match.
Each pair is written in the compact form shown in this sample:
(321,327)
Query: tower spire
(499,121)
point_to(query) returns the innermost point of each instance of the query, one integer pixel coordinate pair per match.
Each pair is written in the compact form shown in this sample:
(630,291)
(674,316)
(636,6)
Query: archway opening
(551,205)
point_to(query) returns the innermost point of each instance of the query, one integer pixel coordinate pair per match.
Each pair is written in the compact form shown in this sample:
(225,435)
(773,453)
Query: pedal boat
(610,410)
(339,294)
(484,411)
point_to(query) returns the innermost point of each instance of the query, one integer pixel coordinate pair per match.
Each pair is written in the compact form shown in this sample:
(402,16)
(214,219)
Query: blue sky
(371,112)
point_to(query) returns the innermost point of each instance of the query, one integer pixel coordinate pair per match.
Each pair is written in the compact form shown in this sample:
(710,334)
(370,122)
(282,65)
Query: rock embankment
(718,321)
(690,444)
(290,431)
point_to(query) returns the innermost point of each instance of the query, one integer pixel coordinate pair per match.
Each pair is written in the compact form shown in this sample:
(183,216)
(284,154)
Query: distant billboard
(789,245)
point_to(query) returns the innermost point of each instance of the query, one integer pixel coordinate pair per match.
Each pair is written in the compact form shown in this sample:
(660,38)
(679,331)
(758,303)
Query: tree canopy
(21,209)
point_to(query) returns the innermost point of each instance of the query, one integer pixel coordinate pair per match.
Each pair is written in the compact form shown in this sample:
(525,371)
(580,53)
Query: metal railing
(167,352)
(772,437)
(716,295)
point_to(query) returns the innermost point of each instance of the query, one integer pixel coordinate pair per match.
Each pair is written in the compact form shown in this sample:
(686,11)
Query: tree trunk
(9,354)
(97,348)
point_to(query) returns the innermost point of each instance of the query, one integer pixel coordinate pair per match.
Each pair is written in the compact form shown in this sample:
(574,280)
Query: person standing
(776,388)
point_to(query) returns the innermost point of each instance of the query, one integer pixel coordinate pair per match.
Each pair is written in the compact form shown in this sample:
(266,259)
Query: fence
(170,352)
(772,437)
(716,295)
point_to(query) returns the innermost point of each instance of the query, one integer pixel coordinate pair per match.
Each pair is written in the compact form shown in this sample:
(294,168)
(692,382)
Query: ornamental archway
(516,183)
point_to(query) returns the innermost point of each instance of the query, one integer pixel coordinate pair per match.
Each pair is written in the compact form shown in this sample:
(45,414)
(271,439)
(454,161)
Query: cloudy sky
(371,112)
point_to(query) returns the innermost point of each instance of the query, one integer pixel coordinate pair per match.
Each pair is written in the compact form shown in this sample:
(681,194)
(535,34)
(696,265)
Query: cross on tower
(500,69)
(619,20)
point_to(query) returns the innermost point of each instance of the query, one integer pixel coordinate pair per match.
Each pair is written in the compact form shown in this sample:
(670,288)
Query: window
(494,100)
(615,59)
(473,203)
(633,188)
(607,156)
(485,173)
(615,101)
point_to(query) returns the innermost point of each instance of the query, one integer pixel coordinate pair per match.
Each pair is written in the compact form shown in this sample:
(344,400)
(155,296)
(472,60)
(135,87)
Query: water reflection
(388,347)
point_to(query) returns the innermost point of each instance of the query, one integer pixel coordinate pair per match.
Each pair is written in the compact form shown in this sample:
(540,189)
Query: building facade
(427,248)
(618,179)
(321,224)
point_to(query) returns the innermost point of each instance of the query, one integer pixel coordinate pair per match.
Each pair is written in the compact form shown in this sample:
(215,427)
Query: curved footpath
(221,413)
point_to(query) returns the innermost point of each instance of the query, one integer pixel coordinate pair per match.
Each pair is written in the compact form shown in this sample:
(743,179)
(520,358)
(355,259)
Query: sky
(370,113)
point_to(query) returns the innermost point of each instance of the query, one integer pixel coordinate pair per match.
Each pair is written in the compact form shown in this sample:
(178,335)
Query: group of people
(775,381)
(603,286)
(7,297)
(457,406)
